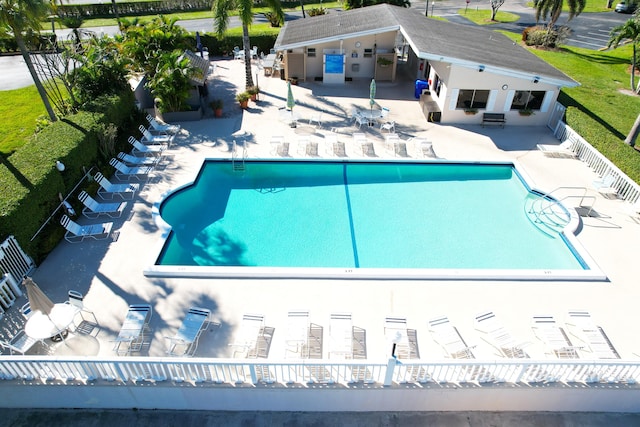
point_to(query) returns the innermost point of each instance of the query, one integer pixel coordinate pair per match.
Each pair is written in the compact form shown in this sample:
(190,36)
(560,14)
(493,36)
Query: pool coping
(592,273)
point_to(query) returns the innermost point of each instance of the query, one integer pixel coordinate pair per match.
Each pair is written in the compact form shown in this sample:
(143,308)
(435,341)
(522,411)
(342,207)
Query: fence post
(388,376)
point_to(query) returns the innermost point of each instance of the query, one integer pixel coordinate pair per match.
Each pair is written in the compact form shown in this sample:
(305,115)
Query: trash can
(420,86)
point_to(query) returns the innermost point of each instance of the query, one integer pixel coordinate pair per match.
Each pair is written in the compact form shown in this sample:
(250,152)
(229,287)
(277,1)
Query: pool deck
(110,272)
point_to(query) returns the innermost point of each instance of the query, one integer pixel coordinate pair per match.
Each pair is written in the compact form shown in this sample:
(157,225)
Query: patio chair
(238,53)
(361,120)
(21,343)
(93,209)
(395,332)
(303,142)
(85,326)
(632,210)
(391,142)
(186,338)
(25,310)
(77,233)
(298,333)
(149,138)
(424,148)
(388,126)
(316,118)
(562,150)
(581,325)
(145,150)
(157,126)
(341,336)
(130,160)
(133,329)
(495,334)
(448,337)
(605,185)
(125,172)
(246,340)
(108,190)
(554,337)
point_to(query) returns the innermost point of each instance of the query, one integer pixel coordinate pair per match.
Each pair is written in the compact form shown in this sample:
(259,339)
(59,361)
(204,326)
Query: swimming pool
(361,219)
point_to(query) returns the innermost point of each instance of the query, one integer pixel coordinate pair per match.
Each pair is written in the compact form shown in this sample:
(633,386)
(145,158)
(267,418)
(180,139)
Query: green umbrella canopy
(372,93)
(38,301)
(290,101)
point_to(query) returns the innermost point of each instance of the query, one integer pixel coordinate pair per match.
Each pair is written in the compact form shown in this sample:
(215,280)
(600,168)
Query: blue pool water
(359,215)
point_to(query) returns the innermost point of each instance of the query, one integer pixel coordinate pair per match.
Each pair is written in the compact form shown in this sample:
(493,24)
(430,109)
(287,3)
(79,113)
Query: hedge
(224,47)
(31,182)
(105,10)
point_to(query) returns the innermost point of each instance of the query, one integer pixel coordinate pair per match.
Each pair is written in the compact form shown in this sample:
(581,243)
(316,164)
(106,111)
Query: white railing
(14,260)
(232,372)
(626,188)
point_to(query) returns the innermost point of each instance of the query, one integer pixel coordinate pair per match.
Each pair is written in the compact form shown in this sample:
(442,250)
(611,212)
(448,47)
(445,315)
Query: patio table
(371,115)
(41,326)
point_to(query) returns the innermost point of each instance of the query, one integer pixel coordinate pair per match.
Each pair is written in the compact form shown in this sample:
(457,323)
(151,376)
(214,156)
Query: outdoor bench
(493,119)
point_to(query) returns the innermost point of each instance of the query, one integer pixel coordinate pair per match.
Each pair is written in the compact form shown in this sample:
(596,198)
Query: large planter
(181,116)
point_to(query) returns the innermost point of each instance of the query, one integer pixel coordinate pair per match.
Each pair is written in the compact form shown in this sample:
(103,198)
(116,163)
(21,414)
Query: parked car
(626,7)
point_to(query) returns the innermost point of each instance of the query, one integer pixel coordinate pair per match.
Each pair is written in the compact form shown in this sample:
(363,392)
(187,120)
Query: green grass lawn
(19,110)
(483,16)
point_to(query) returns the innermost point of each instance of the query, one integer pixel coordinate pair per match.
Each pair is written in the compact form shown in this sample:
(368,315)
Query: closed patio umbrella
(290,102)
(199,44)
(372,94)
(38,301)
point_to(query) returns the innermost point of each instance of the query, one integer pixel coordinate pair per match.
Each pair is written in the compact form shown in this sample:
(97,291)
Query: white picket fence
(626,188)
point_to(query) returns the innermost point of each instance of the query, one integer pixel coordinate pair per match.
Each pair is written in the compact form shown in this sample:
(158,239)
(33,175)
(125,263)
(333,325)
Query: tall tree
(221,11)
(16,17)
(630,31)
(553,9)
(495,5)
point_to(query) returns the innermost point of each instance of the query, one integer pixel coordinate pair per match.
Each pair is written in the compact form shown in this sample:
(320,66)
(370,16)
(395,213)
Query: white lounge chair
(447,335)
(395,332)
(146,150)
(605,185)
(124,172)
(149,138)
(341,335)
(246,340)
(157,126)
(77,233)
(133,329)
(424,148)
(562,150)
(186,338)
(130,160)
(581,325)
(93,209)
(108,190)
(298,333)
(633,210)
(554,337)
(21,343)
(316,118)
(495,334)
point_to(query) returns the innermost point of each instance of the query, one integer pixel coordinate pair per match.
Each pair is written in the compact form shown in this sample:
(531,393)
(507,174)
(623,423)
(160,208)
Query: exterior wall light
(60,166)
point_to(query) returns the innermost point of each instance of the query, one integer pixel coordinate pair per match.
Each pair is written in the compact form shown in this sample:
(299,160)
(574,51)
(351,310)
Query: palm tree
(18,16)
(221,10)
(553,9)
(630,30)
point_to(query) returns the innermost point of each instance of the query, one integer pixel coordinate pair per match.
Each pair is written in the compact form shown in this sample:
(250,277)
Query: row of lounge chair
(135,331)
(145,155)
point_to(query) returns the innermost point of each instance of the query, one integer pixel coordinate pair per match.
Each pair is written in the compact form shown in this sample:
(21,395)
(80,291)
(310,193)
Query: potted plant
(294,80)
(216,106)
(253,91)
(243,99)
(526,112)
(470,111)
(384,62)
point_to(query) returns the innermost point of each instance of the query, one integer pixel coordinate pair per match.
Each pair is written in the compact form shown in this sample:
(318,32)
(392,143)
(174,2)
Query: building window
(527,100)
(311,52)
(470,98)
(368,53)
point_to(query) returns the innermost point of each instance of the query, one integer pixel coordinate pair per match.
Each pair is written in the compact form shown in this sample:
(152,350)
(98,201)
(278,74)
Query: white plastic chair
(316,118)
(388,126)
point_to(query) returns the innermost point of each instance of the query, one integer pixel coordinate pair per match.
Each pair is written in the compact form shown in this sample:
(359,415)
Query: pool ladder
(237,162)
(549,214)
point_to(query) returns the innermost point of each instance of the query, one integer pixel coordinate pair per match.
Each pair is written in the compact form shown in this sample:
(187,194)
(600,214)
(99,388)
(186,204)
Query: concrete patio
(109,273)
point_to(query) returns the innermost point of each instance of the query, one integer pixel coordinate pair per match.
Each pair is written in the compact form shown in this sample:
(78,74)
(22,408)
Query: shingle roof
(459,44)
